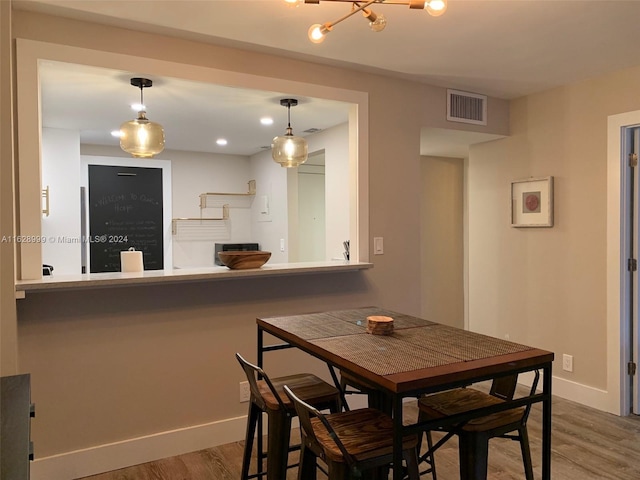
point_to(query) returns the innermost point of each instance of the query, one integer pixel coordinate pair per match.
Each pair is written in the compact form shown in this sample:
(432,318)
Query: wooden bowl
(242,260)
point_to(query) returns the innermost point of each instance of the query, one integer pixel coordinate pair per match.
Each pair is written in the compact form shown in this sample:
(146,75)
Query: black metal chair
(351,385)
(350,443)
(268,396)
(474,435)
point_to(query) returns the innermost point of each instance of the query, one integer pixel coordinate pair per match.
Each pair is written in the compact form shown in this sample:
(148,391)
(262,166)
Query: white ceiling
(502,48)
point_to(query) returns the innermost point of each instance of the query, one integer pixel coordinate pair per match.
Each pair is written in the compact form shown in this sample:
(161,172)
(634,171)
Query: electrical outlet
(245,392)
(567,362)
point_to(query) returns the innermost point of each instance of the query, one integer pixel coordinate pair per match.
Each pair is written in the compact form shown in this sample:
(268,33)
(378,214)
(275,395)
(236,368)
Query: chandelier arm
(383,2)
(352,12)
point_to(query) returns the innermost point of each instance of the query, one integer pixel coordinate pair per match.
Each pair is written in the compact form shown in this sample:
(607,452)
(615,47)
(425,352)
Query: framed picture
(532,202)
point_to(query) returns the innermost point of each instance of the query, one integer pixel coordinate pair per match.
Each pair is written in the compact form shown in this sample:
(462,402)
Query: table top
(419,356)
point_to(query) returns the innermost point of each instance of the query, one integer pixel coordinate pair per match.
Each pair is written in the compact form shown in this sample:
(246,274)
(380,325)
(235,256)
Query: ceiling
(501,48)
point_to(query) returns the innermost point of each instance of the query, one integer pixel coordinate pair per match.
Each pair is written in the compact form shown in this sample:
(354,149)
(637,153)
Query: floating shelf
(191,220)
(251,191)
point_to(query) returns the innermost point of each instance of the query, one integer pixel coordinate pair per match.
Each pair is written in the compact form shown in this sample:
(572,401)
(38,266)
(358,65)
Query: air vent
(265,147)
(312,130)
(466,107)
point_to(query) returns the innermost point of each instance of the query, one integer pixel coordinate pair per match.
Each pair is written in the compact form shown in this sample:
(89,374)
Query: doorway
(631,241)
(311,209)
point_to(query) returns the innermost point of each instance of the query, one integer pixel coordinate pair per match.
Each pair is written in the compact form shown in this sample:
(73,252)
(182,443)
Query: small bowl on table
(245,259)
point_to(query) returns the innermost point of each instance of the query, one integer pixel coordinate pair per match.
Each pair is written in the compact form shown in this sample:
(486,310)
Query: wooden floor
(587,445)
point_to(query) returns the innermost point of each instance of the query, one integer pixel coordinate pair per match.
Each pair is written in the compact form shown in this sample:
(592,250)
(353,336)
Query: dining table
(418,357)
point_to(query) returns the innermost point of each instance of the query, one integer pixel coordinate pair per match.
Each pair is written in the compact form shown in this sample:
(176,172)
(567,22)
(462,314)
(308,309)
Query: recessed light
(221,141)
(266,121)
(116,133)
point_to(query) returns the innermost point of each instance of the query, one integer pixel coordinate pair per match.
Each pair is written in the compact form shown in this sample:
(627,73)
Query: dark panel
(125,210)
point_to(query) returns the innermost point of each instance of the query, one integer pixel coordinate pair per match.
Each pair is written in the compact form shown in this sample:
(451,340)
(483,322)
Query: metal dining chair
(348,442)
(474,435)
(268,396)
(351,385)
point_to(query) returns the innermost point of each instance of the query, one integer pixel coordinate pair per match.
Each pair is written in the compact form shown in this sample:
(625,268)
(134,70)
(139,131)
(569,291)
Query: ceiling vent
(312,130)
(465,107)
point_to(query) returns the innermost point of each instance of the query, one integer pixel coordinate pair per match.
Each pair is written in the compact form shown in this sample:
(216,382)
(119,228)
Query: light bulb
(436,7)
(293,3)
(318,32)
(378,24)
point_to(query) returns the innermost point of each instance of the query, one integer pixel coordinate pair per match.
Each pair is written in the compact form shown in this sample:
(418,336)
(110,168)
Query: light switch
(378,246)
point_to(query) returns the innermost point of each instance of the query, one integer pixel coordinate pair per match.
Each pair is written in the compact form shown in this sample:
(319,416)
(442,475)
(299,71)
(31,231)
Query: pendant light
(141,137)
(289,150)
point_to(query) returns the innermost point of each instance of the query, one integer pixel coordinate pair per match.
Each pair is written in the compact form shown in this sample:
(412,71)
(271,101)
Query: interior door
(632,145)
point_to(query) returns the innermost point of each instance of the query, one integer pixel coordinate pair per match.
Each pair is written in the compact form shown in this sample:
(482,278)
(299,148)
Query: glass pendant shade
(288,150)
(142,138)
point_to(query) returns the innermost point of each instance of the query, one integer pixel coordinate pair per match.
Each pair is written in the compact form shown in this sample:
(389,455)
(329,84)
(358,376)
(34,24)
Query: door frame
(618,330)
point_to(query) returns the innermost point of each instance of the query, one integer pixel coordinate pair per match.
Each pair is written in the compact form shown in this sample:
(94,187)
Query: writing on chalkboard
(125,203)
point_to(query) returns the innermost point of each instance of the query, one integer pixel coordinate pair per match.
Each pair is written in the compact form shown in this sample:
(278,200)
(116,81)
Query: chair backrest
(504,387)
(255,373)
(532,391)
(305,413)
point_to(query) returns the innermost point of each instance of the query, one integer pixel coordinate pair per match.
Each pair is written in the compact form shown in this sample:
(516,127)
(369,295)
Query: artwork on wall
(532,202)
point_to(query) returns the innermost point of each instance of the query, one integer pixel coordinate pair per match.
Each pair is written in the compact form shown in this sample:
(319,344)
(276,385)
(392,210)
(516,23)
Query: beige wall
(114,364)
(442,240)
(8,339)
(547,286)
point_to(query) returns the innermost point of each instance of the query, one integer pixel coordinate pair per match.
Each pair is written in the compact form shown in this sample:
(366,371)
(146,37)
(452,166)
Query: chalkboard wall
(125,210)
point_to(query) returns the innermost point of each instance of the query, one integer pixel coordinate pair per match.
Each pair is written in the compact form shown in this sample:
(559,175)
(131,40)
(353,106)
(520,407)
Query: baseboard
(104,458)
(576,392)
(113,456)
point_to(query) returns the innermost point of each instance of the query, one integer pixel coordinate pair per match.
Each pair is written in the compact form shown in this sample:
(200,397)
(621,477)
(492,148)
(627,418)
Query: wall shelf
(233,200)
(191,220)
(213,228)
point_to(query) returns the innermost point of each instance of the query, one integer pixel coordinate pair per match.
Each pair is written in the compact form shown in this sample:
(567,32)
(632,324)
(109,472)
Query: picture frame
(532,202)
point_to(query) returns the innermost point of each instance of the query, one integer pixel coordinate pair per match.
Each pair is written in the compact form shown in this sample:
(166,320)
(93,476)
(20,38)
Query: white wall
(335,142)
(268,230)
(61,172)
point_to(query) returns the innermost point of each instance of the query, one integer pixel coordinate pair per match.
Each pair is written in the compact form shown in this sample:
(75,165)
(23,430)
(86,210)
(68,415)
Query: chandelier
(377,22)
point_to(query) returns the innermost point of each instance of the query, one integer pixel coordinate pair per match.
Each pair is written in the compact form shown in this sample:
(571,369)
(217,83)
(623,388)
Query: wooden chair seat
(463,400)
(307,386)
(350,443)
(380,401)
(474,435)
(366,433)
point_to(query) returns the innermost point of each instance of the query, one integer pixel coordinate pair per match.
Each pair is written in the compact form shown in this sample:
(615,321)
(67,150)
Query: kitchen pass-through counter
(151,277)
